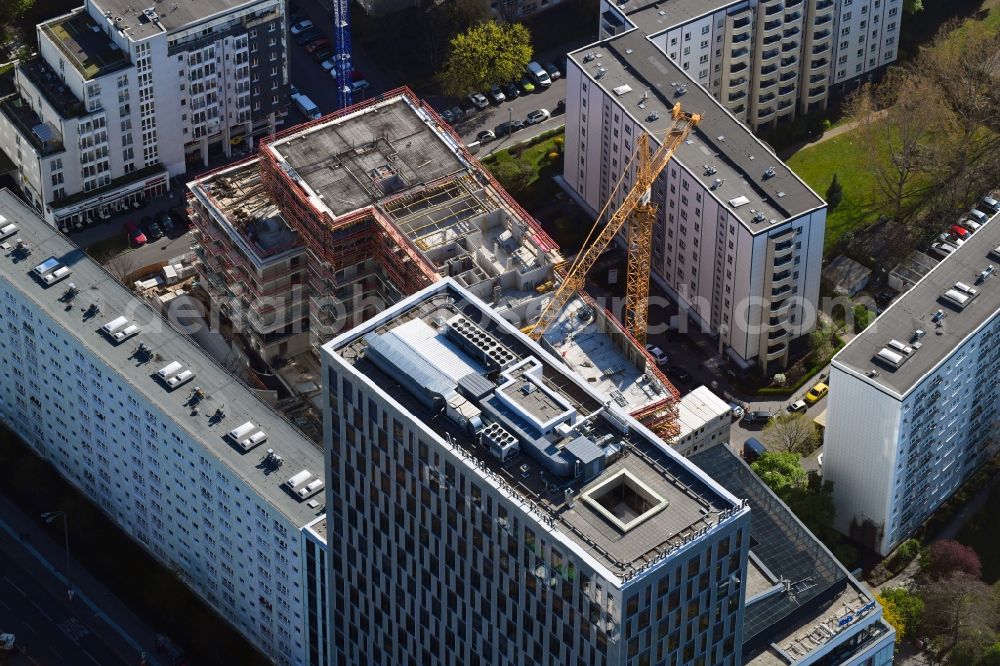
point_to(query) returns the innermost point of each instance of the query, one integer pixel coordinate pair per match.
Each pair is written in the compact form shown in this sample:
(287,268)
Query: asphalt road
(52,630)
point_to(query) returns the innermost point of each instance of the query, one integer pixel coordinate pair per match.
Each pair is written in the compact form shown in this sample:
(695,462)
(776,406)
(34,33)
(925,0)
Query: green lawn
(539,188)
(848,158)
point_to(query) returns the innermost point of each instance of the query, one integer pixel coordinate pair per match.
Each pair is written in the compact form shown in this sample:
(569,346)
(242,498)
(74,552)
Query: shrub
(947,557)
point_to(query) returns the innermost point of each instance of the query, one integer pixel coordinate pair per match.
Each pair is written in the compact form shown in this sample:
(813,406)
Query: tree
(959,608)
(894,121)
(911,7)
(781,471)
(834,193)
(791,432)
(11,10)
(947,557)
(484,55)
(514,175)
(820,345)
(902,609)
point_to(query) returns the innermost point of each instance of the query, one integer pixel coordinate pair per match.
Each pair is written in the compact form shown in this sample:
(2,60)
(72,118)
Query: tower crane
(642,211)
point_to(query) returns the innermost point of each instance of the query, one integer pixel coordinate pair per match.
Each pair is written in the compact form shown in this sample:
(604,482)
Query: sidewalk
(34,550)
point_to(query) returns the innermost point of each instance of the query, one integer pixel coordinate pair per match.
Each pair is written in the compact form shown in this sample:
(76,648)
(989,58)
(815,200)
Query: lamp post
(50,517)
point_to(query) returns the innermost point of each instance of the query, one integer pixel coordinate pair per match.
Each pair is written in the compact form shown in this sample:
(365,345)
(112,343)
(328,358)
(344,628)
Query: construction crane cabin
(639,212)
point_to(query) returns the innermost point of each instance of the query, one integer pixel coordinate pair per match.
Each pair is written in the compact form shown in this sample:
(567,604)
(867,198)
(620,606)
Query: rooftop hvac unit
(478,343)
(247,436)
(502,445)
(8,230)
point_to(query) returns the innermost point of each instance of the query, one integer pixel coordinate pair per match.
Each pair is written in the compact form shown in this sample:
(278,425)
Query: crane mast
(642,212)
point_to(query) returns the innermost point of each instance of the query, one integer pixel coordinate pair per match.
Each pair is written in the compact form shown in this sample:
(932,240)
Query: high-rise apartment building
(487,507)
(182,457)
(119,99)
(766,61)
(738,237)
(912,410)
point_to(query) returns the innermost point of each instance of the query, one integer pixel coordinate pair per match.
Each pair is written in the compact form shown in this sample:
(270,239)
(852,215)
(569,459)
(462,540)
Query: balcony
(738,109)
(821,48)
(791,4)
(778,337)
(790,45)
(764,99)
(772,25)
(776,8)
(766,84)
(738,67)
(782,279)
(823,20)
(739,81)
(771,39)
(818,64)
(739,39)
(779,320)
(785,91)
(770,54)
(816,93)
(793,17)
(789,75)
(791,32)
(823,5)
(776,352)
(763,115)
(782,246)
(733,97)
(821,35)
(781,307)
(817,78)
(780,292)
(790,61)
(785,105)
(768,69)
(742,23)
(742,52)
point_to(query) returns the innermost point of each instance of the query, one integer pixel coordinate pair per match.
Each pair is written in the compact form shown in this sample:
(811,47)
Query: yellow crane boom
(638,237)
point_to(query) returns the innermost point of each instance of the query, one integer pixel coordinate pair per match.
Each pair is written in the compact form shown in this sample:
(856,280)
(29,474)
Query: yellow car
(816,393)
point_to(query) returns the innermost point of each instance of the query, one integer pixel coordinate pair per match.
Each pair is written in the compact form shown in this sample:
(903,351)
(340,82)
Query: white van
(537,74)
(306,106)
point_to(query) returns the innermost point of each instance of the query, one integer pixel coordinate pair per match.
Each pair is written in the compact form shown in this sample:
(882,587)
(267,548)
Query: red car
(135,235)
(320,43)
(961,232)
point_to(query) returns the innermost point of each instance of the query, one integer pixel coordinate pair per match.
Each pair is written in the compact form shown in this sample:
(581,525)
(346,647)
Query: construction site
(372,204)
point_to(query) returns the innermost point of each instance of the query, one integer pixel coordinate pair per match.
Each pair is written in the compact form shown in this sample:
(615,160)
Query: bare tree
(791,432)
(958,608)
(895,119)
(122,266)
(962,71)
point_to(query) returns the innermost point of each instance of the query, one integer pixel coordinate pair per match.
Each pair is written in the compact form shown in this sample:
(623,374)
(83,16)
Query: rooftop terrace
(755,185)
(225,405)
(43,136)
(61,98)
(659,15)
(610,486)
(944,319)
(85,44)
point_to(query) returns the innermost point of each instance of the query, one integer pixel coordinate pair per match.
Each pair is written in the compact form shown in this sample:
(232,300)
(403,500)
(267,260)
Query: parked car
(301,27)
(323,54)
(942,250)
(538,75)
(959,231)
(538,116)
(293,89)
(457,113)
(486,136)
(679,373)
(657,354)
(317,45)
(737,411)
(970,224)
(552,70)
(448,116)
(508,128)
(154,231)
(990,204)
(816,393)
(951,239)
(496,95)
(979,216)
(167,223)
(328,64)
(478,100)
(526,85)
(179,215)
(512,91)
(135,235)
(309,35)
(798,406)
(752,450)
(758,417)
(358,86)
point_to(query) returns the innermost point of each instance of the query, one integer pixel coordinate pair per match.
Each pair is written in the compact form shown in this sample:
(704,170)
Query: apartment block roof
(169,16)
(659,15)
(742,172)
(84,44)
(891,355)
(575,449)
(226,404)
(700,407)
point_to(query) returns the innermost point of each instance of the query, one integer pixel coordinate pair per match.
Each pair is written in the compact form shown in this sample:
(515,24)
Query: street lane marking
(13,585)
(92,658)
(2,603)
(41,610)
